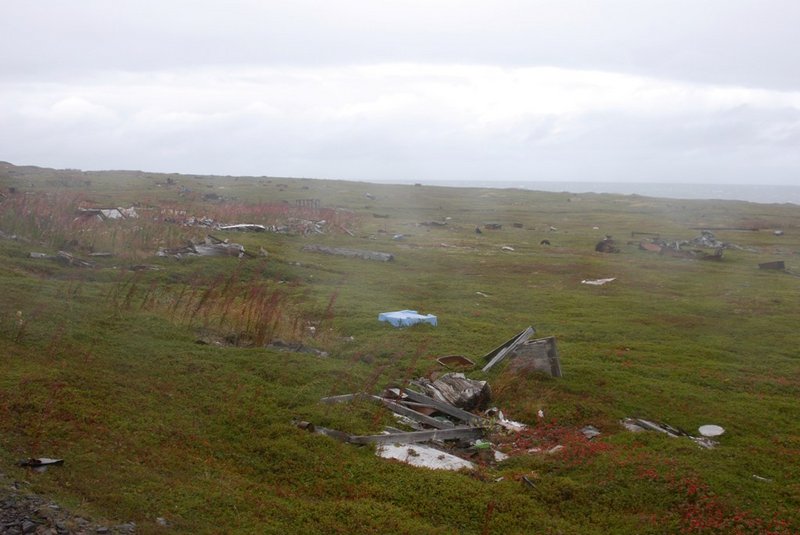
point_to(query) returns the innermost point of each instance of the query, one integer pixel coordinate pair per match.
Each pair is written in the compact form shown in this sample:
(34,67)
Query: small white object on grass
(711,430)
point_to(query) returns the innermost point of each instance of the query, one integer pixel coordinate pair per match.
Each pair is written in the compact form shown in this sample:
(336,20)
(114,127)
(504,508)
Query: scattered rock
(607,245)
(22,512)
(590,432)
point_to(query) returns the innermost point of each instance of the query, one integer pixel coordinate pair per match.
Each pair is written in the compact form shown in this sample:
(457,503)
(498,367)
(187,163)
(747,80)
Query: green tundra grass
(101,365)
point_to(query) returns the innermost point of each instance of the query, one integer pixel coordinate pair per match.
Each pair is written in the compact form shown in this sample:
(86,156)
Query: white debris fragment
(704,442)
(631,425)
(597,282)
(508,425)
(422,456)
(590,432)
(711,430)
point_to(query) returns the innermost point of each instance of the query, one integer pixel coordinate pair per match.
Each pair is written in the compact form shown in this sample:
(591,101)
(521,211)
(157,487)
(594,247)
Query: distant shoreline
(765,194)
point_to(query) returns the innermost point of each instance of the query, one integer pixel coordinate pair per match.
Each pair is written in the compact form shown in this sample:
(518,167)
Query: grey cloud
(739,42)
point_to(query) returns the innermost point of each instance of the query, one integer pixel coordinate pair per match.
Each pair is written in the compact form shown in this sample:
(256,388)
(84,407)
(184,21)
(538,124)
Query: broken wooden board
(445,408)
(410,437)
(67,259)
(498,354)
(456,362)
(457,390)
(416,415)
(536,355)
(346,397)
(244,227)
(455,433)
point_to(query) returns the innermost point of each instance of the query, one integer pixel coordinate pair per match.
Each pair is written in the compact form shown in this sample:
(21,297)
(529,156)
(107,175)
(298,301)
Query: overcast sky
(704,91)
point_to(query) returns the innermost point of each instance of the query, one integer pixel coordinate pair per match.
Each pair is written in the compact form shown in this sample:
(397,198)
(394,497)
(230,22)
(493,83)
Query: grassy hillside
(102,365)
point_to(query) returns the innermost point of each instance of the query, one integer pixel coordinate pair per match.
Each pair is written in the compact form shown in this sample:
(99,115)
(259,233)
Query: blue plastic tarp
(404,318)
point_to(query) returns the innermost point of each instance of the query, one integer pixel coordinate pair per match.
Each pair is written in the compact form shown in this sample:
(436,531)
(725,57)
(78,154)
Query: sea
(765,194)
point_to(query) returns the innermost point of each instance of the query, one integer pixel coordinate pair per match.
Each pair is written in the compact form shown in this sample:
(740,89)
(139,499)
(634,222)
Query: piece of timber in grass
(640,424)
(343,398)
(69,260)
(458,391)
(397,437)
(496,355)
(453,433)
(349,253)
(243,227)
(40,464)
(442,406)
(536,355)
(40,461)
(409,412)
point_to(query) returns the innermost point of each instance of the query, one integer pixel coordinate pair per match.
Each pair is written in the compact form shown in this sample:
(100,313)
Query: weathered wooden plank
(454,433)
(501,352)
(414,415)
(333,433)
(457,390)
(446,408)
(393,406)
(347,397)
